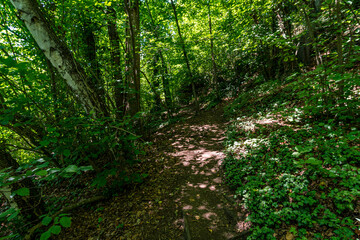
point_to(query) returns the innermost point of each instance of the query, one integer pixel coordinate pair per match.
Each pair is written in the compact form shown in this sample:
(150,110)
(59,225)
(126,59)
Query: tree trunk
(132,68)
(156,82)
(60,56)
(339,46)
(164,73)
(31,206)
(197,108)
(96,82)
(54,91)
(214,66)
(116,63)
(310,27)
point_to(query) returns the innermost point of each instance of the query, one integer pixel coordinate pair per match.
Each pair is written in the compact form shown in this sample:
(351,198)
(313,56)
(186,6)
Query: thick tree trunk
(132,68)
(197,108)
(116,63)
(60,56)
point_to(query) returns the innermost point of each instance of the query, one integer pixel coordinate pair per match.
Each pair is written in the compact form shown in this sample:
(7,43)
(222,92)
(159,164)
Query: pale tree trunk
(116,63)
(60,56)
(132,68)
(197,108)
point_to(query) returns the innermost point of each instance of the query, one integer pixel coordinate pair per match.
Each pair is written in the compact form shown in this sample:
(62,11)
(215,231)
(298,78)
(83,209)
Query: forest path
(195,147)
(184,184)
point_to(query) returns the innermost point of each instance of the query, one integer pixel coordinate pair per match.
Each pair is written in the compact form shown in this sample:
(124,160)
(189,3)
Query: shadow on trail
(197,147)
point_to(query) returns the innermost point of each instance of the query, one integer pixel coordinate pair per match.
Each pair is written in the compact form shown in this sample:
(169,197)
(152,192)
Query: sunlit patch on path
(197,147)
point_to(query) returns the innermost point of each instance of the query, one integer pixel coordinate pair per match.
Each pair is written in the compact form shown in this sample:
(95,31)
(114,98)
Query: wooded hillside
(102,101)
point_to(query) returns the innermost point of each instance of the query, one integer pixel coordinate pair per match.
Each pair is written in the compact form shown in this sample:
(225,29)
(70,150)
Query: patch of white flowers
(244,125)
(296,116)
(242,147)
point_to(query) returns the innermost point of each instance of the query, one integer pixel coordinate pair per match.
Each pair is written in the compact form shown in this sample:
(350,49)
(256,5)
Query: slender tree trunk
(60,56)
(32,206)
(96,82)
(310,27)
(197,108)
(132,69)
(155,78)
(165,80)
(116,63)
(32,135)
(214,66)
(54,91)
(339,45)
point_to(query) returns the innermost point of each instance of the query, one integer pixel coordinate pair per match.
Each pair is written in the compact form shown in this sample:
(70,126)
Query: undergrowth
(295,168)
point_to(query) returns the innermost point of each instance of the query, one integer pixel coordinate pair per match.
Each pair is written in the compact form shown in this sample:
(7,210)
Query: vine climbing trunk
(58,53)
(197,108)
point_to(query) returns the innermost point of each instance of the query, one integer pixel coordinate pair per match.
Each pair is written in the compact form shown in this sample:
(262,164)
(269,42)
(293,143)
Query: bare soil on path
(198,208)
(183,196)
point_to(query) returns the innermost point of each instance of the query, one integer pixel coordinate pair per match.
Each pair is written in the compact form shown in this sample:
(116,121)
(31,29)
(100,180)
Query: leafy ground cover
(295,169)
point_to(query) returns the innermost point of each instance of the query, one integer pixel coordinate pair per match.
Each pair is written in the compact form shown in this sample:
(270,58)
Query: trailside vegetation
(84,85)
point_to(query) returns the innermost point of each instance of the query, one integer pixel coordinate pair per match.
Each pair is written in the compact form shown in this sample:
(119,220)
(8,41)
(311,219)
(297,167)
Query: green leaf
(86,168)
(22,192)
(56,229)
(71,169)
(65,222)
(8,237)
(41,173)
(45,143)
(99,181)
(46,235)
(46,220)
(66,152)
(313,161)
(296,154)
(12,216)
(7,212)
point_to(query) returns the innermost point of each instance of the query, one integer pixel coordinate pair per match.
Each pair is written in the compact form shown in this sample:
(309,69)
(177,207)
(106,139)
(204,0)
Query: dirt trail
(182,197)
(196,147)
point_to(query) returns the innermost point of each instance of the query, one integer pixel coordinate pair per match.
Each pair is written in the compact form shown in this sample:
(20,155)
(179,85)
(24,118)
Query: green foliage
(22,192)
(306,177)
(278,187)
(263,52)
(62,221)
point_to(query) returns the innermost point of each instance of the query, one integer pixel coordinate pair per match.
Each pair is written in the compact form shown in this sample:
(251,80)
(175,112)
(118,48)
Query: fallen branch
(64,210)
